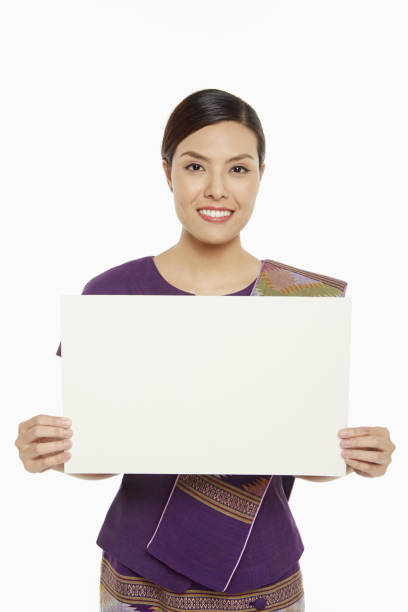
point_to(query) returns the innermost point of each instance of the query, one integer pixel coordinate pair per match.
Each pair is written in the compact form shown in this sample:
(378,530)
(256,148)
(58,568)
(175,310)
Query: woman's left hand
(367,450)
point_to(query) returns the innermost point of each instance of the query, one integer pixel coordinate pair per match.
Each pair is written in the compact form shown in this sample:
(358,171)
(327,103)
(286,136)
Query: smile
(215,216)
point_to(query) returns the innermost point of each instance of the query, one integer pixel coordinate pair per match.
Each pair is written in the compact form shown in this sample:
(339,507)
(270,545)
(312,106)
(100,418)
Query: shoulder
(288,279)
(118,279)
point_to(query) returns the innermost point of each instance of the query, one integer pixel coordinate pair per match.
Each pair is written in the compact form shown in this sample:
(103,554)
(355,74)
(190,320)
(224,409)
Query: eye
(193,164)
(246,170)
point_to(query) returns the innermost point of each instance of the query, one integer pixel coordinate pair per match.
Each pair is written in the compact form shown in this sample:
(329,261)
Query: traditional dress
(203,542)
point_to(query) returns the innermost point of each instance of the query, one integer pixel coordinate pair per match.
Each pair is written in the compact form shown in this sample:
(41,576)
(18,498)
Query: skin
(208,259)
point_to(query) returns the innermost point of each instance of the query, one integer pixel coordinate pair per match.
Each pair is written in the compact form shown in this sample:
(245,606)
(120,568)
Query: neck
(203,264)
(208,269)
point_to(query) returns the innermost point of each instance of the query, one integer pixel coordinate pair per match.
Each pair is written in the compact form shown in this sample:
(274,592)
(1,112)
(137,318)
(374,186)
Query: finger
(369,469)
(37,449)
(44,419)
(369,442)
(45,431)
(45,463)
(351,432)
(367,456)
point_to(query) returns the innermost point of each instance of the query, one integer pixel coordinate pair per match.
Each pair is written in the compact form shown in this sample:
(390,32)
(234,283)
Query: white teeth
(215,213)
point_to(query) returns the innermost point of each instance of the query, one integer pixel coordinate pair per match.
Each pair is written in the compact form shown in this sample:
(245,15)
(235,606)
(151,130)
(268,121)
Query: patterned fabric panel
(204,512)
(277,278)
(120,593)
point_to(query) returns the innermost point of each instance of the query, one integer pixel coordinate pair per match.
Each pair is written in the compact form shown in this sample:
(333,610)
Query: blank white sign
(205,385)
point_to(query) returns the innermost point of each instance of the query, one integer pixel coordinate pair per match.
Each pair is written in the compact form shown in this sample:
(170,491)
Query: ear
(167,173)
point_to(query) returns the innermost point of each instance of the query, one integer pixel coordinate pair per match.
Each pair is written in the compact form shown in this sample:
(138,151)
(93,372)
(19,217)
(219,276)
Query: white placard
(205,385)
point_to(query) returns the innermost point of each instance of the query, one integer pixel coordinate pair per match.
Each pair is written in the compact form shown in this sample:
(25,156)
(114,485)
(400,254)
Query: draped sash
(207,519)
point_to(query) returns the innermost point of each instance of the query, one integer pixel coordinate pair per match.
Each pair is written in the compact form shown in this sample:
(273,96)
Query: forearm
(60,468)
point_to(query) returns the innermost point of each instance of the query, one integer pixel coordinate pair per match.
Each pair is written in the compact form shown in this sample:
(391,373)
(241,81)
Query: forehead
(220,140)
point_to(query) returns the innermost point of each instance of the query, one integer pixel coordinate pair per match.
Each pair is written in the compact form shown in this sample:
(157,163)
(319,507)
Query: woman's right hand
(42,441)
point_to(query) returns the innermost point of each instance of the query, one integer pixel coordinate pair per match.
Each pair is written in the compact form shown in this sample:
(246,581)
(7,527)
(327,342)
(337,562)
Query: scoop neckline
(156,269)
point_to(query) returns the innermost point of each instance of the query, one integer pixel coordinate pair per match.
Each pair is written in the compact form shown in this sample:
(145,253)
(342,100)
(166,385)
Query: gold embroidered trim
(222,496)
(137,590)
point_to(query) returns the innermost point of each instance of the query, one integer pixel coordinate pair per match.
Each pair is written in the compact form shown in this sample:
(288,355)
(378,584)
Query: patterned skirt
(122,590)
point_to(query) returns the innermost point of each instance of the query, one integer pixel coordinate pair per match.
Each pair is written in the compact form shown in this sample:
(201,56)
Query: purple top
(274,546)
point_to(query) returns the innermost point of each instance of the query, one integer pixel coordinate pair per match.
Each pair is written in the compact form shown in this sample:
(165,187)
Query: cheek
(246,198)
(245,191)
(186,191)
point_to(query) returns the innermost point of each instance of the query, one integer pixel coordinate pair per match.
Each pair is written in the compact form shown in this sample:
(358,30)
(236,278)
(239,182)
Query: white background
(87,88)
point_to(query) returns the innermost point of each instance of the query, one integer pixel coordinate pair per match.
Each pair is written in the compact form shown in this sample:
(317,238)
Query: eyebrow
(198,156)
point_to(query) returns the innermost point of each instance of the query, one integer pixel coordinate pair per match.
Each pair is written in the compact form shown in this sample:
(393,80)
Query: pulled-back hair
(206,107)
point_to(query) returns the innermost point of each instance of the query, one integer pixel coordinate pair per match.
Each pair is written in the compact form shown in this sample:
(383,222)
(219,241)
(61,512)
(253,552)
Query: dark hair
(206,107)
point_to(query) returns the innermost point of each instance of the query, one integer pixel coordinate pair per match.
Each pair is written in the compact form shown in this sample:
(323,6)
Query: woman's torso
(272,551)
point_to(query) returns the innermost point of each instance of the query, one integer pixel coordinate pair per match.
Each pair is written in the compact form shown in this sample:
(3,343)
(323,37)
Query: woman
(213,158)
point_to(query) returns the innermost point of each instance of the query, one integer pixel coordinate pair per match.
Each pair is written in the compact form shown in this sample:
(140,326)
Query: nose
(215,188)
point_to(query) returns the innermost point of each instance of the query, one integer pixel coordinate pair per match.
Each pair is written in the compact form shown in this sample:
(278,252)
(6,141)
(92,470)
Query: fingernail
(66,421)
(344,432)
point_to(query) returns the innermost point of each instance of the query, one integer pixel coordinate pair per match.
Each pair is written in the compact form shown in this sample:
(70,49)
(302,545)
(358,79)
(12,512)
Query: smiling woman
(205,541)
